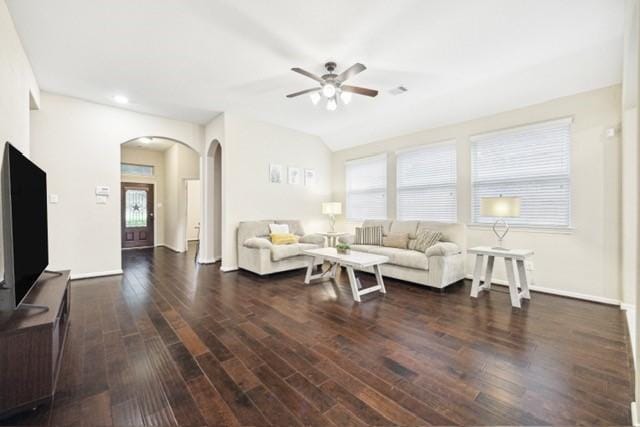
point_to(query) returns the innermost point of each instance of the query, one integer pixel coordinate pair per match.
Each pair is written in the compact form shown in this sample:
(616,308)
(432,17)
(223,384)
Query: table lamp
(500,207)
(332,209)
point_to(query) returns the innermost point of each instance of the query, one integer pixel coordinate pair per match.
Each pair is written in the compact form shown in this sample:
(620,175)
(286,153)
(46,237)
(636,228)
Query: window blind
(366,181)
(531,162)
(426,180)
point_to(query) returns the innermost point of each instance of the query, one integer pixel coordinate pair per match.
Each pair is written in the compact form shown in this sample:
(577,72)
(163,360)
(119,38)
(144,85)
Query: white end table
(353,259)
(332,237)
(509,255)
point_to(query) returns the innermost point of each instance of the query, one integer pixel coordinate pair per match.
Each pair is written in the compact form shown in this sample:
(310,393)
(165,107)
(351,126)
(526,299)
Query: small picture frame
(295,175)
(309,177)
(275,173)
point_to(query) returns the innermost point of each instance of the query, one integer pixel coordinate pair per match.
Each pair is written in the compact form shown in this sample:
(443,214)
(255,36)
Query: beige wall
(18,87)
(181,164)
(155,159)
(584,261)
(78,144)
(18,93)
(248,147)
(194,209)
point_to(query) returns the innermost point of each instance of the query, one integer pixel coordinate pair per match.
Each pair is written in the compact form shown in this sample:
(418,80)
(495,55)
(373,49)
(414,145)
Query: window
(140,170)
(367,188)
(530,162)
(426,179)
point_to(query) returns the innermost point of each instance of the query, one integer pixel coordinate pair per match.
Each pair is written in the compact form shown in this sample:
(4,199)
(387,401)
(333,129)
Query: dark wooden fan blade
(359,90)
(350,72)
(308,74)
(302,92)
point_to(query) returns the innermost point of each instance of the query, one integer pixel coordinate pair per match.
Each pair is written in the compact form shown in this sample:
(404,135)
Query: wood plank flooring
(172,343)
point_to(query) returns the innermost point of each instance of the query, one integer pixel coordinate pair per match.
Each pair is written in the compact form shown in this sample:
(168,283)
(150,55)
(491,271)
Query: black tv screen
(24,214)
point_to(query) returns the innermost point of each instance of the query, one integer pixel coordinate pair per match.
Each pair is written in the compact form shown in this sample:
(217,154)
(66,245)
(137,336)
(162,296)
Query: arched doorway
(156,173)
(212,230)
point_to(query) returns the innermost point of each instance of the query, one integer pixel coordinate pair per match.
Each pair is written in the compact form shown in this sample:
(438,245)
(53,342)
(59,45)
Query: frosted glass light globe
(329,90)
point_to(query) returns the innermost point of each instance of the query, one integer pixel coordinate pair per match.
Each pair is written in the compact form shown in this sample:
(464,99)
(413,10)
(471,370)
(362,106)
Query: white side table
(332,238)
(519,255)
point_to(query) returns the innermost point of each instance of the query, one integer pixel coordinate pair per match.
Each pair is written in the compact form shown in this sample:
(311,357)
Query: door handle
(151,214)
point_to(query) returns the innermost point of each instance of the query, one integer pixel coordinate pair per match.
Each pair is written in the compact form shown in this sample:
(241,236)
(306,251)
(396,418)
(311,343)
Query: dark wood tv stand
(31,344)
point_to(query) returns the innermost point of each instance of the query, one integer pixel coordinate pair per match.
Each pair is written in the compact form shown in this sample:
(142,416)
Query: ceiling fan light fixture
(329,90)
(315,97)
(332,104)
(345,97)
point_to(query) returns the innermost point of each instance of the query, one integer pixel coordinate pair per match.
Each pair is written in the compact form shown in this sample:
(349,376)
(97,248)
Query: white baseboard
(227,268)
(172,248)
(630,312)
(559,292)
(634,414)
(95,274)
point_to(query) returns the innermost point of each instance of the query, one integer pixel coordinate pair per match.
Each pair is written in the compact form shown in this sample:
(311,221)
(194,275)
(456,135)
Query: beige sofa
(256,253)
(439,266)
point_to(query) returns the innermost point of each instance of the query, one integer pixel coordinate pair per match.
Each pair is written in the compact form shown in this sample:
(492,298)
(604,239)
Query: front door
(137,215)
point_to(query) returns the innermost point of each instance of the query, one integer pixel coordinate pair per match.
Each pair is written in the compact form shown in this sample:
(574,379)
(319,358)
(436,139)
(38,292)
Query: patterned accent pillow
(396,240)
(427,238)
(368,236)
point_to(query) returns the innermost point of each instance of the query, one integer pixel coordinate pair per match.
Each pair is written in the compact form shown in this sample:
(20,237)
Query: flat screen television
(24,222)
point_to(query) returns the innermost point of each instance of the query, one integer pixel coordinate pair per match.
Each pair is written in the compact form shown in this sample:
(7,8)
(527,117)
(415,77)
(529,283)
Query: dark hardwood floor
(171,343)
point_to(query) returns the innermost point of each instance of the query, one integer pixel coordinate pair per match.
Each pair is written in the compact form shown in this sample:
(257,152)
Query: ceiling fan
(332,85)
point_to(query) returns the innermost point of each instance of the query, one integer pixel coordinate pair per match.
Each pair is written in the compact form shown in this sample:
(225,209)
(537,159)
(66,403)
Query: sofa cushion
(280,252)
(401,257)
(258,243)
(316,239)
(443,249)
(295,226)
(426,239)
(279,228)
(396,240)
(408,227)
(369,235)
(385,224)
(247,229)
(283,239)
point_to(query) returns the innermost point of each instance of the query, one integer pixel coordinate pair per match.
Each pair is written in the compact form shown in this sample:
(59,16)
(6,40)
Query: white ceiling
(156,144)
(191,59)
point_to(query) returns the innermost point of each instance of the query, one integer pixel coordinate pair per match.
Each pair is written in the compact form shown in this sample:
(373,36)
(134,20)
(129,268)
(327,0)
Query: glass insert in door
(135,208)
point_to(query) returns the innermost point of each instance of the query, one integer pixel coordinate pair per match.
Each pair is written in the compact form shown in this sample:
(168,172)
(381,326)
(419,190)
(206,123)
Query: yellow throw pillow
(284,239)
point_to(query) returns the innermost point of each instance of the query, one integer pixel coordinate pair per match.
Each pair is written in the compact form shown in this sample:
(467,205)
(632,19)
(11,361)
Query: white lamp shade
(332,208)
(500,206)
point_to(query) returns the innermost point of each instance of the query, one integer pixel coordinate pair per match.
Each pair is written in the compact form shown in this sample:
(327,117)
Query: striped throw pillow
(368,236)
(427,238)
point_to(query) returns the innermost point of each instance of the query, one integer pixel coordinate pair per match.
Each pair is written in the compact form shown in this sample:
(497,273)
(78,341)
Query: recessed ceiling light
(145,140)
(121,99)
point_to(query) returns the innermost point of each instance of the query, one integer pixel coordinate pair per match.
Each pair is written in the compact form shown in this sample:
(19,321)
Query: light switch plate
(53,198)
(101,200)
(102,190)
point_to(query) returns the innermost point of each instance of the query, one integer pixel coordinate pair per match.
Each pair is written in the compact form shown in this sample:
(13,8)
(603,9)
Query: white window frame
(566,228)
(379,157)
(454,185)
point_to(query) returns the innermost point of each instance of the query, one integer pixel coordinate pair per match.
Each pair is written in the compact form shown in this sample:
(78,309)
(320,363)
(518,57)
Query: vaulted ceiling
(191,59)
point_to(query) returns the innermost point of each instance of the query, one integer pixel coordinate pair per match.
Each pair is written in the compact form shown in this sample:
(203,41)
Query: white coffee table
(509,255)
(348,261)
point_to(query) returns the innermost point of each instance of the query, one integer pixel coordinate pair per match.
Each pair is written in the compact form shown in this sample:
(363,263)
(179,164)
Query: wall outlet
(528,265)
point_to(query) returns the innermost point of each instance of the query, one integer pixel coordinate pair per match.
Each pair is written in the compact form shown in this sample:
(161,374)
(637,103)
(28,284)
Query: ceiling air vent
(398,90)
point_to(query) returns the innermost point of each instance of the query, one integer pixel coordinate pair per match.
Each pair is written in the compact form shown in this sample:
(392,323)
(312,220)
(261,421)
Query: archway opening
(212,231)
(157,208)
